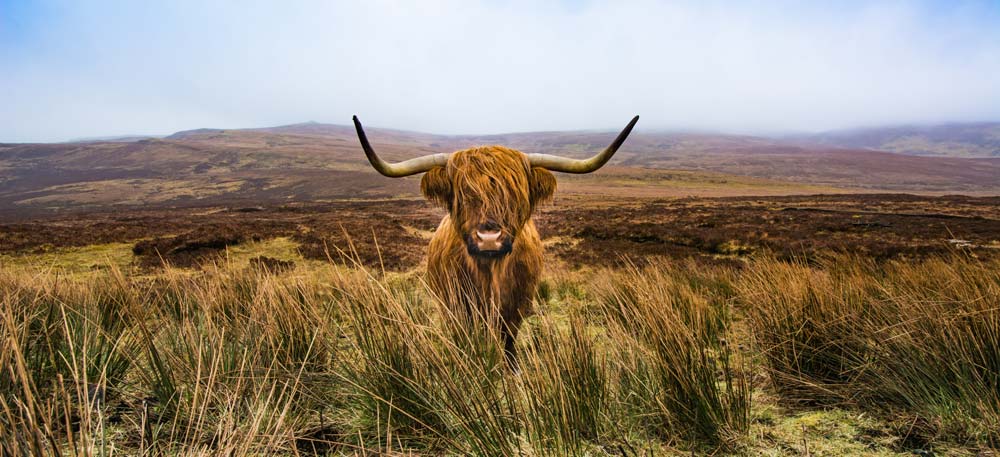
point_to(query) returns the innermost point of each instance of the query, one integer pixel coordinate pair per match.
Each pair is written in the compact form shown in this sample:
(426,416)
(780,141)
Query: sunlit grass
(921,339)
(74,260)
(773,358)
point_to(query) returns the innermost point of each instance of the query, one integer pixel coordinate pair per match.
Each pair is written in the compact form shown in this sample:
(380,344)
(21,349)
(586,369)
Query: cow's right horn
(567,165)
(400,169)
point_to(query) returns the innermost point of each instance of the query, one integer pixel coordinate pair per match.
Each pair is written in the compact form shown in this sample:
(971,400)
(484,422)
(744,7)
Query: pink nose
(488,236)
(489,240)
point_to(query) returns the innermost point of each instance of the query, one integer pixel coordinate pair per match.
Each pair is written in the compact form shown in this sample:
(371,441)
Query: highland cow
(486,256)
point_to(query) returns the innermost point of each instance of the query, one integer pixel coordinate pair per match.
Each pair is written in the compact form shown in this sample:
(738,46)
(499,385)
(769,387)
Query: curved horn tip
(566,165)
(401,169)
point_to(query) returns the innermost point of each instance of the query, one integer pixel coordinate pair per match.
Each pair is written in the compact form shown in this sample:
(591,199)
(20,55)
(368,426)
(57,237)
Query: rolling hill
(951,140)
(323,162)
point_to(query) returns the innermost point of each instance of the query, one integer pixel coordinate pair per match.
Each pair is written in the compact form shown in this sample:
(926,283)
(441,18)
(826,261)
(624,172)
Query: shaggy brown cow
(486,257)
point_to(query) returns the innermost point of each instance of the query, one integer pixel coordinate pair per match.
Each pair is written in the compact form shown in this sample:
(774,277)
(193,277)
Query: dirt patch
(270,264)
(191,248)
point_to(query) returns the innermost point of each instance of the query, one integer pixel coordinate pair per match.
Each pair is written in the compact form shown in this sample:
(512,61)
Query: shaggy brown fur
(495,185)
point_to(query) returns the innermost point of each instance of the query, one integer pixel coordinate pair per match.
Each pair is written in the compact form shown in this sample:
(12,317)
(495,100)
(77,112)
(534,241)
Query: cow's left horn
(567,165)
(400,169)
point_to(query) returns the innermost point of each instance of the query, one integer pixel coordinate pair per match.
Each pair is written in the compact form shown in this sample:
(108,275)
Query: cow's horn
(566,165)
(400,169)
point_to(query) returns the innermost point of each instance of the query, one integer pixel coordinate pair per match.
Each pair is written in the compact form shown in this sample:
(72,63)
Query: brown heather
(664,358)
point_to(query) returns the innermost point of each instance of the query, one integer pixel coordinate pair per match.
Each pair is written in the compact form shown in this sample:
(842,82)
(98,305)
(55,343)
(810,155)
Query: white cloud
(451,66)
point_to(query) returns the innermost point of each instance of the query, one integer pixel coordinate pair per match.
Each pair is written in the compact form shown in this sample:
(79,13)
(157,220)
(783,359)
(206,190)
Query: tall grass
(919,338)
(671,334)
(325,359)
(89,365)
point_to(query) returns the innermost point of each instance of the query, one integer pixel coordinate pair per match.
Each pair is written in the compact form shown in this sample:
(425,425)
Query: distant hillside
(113,139)
(321,162)
(949,140)
(739,155)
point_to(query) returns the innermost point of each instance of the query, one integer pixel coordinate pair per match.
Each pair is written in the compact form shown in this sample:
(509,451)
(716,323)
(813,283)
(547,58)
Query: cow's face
(490,193)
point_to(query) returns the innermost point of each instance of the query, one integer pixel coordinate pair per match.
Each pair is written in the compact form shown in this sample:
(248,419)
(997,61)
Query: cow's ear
(436,186)
(543,185)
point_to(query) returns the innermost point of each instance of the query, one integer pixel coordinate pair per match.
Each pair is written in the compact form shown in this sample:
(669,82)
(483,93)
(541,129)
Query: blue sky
(71,69)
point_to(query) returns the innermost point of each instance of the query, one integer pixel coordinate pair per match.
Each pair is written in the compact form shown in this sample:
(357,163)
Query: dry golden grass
(917,339)
(668,358)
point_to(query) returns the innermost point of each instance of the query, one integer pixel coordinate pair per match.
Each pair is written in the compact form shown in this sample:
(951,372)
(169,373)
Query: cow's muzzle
(489,241)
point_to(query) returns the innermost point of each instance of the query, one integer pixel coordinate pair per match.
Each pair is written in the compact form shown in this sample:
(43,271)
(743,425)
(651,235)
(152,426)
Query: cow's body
(493,189)
(485,258)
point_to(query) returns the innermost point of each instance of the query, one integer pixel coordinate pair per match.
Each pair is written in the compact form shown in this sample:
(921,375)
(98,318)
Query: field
(850,324)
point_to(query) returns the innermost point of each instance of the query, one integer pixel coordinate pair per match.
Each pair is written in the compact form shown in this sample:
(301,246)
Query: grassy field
(833,355)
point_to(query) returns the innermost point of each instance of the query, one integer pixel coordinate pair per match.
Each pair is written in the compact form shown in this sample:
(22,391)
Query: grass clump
(918,339)
(685,383)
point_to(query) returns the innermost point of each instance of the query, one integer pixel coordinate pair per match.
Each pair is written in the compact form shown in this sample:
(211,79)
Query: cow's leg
(509,334)
(510,350)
